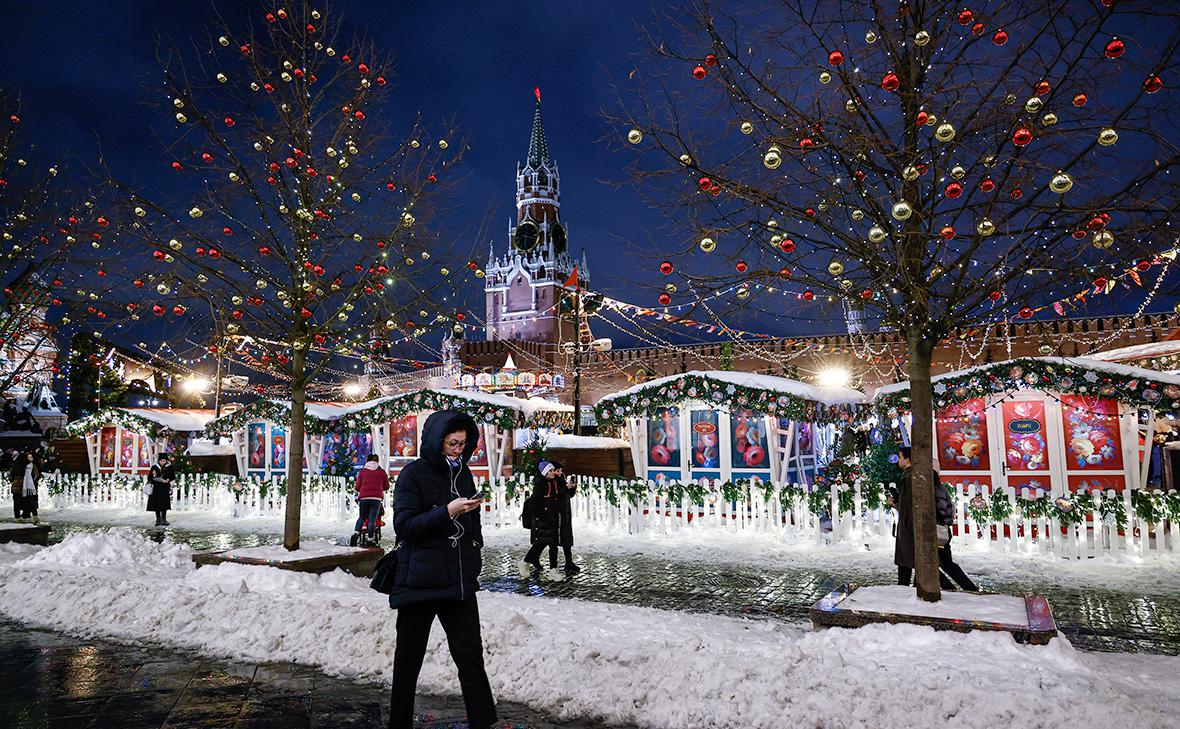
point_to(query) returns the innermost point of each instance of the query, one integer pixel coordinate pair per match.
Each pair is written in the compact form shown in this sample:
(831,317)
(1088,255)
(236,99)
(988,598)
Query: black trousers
(25,507)
(460,620)
(534,554)
(948,570)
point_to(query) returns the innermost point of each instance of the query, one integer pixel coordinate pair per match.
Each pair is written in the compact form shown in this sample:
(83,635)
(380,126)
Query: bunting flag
(572,281)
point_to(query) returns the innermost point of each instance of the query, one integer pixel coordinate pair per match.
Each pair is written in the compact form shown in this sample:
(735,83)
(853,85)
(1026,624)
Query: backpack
(526,514)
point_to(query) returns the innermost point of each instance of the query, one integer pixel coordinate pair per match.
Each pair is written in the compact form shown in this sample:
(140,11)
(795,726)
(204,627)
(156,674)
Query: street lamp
(195,385)
(577,349)
(834,377)
(352,389)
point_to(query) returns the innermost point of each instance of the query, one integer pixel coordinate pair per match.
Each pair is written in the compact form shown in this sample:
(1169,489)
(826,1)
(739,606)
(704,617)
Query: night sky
(87,69)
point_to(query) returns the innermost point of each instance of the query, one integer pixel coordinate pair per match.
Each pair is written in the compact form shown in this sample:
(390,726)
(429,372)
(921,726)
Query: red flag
(537,93)
(573,279)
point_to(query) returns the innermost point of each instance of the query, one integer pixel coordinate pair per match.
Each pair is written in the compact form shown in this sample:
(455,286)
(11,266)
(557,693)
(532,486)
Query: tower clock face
(558,233)
(526,236)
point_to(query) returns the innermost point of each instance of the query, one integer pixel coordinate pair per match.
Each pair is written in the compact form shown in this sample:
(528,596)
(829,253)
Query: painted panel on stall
(256,445)
(278,447)
(1092,434)
(106,450)
(962,437)
(663,439)
(1026,448)
(748,440)
(705,438)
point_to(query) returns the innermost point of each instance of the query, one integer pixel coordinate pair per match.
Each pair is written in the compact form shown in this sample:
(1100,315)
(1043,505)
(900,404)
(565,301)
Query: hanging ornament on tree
(1061,183)
(1107,136)
(985,227)
(890,82)
(1115,48)
(773,157)
(1000,37)
(835,58)
(1022,137)
(1153,84)
(664,299)
(699,72)
(634,136)
(666,267)
(835,268)
(902,210)
(708,245)
(945,132)
(746,127)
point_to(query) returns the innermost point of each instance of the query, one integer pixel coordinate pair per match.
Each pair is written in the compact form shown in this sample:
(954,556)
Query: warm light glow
(195,385)
(834,377)
(352,389)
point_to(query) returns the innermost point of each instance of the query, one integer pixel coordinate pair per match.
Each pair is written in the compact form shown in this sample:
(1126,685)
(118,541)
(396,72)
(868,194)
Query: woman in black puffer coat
(436,518)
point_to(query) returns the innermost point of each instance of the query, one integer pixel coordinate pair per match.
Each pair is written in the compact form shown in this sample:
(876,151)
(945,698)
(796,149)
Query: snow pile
(576,659)
(897,600)
(279,553)
(122,549)
(561,441)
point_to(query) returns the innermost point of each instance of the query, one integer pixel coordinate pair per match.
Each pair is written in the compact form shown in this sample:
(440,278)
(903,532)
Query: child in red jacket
(371,484)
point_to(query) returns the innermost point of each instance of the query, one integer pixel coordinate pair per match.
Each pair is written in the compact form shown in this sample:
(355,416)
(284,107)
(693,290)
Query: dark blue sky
(86,68)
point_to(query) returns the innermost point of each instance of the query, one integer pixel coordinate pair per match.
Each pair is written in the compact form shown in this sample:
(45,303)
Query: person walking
(903,530)
(371,484)
(25,476)
(945,518)
(160,480)
(437,524)
(552,525)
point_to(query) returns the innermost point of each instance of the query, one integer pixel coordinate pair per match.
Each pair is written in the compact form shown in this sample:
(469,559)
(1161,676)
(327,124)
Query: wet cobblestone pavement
(1102,620)
(52,681)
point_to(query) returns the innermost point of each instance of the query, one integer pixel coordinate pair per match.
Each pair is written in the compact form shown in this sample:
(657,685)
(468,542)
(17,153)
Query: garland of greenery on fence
(1071,510)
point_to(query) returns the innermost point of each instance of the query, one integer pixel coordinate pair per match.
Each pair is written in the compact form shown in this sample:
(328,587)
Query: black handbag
(526,514)
(383,574)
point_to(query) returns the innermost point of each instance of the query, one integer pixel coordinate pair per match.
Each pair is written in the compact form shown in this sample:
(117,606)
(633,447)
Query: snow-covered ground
(1151,575)
(574,659)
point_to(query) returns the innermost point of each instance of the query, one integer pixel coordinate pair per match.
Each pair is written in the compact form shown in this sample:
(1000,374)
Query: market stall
(731,425)
(1049,424)
(259,433)
(128,440)
(395,424)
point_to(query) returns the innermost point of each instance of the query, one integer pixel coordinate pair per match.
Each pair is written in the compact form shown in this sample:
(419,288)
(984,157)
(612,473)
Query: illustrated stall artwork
(1024,436)
(1091,431)
(480,457)
(145,456)
(106,451)
(663,438)
(962,437)
(256,444)
(748,435)
(705,451)
(278,448)
(403,437)
(127,450)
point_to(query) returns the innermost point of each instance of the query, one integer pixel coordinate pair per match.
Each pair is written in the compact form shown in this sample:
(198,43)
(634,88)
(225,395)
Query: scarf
(29,487)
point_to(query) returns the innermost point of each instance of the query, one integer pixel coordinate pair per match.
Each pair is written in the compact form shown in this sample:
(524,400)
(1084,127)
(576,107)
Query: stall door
(1028,437)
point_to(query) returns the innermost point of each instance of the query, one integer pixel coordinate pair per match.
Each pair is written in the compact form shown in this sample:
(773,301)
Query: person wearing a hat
(552,521)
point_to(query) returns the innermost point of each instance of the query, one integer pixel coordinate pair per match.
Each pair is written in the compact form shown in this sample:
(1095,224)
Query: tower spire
(538,149)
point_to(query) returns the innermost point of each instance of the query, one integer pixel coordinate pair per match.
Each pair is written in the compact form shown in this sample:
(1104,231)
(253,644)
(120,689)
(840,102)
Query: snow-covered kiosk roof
(503,411)
(1134,386)
(146,421)
(318,417)
(776,396)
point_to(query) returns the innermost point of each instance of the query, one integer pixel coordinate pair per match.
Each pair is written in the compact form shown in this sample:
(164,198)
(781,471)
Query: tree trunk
(920,348)
(295,451)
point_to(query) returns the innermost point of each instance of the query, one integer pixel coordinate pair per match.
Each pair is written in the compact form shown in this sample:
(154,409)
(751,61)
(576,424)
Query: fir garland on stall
(275,411)
(1054,375)
(385,411)
(688,388)
(113,416)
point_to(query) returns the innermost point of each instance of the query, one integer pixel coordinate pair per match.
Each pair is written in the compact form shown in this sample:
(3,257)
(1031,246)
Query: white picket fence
(756,510)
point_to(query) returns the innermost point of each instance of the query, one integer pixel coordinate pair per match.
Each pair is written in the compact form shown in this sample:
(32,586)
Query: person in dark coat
(902,500)
(437,524)
(552,519)
(25,476)
(945,516)
(160,478)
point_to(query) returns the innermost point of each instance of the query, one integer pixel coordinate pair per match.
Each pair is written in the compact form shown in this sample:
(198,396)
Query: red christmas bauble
(808,295)
(710,59)
(138,283)
(741,266)
(890,82)
(866,294)
(1043,87)
(953,190)
(704,183)
(1115,48)
(806,143)
(664,299)
(922,118)
(987,185)
(787,245)
(835,58)
(994,295)
(157,310)
(1153,84)
(178,310)
(1016,193)
(947,232)
(978,29)
(158,255)
(966,17)
(784,272)
(1000,37)
(1079,234)
(699,72)
(1026,312)
(1143,265)
(666,267)
(1022,137)
(1080,99)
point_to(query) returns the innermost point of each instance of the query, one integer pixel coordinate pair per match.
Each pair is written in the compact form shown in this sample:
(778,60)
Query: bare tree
(939,166)
(297,220)
(51,250)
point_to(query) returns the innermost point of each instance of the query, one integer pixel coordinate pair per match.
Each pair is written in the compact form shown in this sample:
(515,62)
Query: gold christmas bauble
(634,136)
(747,127)
(876,234)
(743,292)
(670,288)
(1107,136)
(825,77)
(921,38)
(858,214)
(443,144)
(902,210)
(708,245)
(985,227)
(850,106)
(1049,119)
(162,289)
(835,268)
(1033,105)
(685,159)
(870,37)
(1103,239)
(1061,183)
(772,223)
(910,172)
(1045,349)
(945,132)
(958,172)
(773,157)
